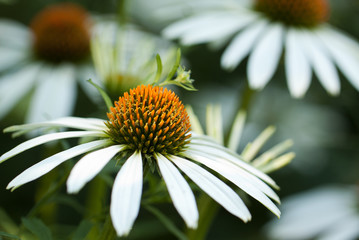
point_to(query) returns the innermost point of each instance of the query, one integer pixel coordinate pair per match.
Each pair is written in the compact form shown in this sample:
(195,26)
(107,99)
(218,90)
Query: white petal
(217,28)
(89,166)
(10,57)
(177,29)
(47,138)
(241,45)
(14,34)
(239,177)
(126,195)
(214,187)
(55,95)
(345,53)
(256,182)
(70,122)
(264,59)
(321,62)
(180,192)
(15,85)
(221,152)
(298,70)
(345,229)
(46,165)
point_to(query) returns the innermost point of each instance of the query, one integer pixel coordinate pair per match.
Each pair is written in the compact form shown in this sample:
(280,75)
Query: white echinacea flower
(264,29)
(148,125)
(324,213)
(45,58)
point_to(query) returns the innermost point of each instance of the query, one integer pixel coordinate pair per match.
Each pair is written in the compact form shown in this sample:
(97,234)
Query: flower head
(61,33)
(46,59)
(148,125)
(264,29)
(306,13)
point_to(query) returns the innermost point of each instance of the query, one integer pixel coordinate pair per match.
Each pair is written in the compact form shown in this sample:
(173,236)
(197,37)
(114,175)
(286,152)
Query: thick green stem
(208,209)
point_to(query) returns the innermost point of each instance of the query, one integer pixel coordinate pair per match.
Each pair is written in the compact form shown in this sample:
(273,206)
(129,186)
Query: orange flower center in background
(307,13)
(151,120)
(62,33)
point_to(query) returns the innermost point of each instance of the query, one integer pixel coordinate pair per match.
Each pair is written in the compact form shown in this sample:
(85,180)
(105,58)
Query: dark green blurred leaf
(5,236)
(166,222)
(83,229)
(38,228)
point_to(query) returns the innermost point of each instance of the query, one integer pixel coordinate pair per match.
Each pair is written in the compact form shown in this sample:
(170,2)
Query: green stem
(108,232)
(121,12)
(208,209)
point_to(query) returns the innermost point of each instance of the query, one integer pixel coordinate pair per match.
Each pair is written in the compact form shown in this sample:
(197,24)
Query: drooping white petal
(15,85)
(224,154)
(344,229)
(321,62)
(297,67)
(214,187)
(89,166)
(47,138)
(241,45)
(126,195)
(179,190)
(252,179)
(345,53)
(264,59)
(217,28)
(50,163)
(10,57)
(237,176)
(70,122)
(55,94)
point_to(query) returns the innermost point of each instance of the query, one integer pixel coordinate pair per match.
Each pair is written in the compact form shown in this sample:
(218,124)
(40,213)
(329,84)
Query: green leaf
(159,69)
(82,230)
(166,222)
(37,227)
(104,95)
(6,236)
(175,66)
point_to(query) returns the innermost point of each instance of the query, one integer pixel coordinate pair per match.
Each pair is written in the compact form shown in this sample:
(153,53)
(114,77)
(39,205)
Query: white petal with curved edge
(264,59)
(217,28)
(214,187)
(242,44)
(14,86)
(55,94)
(70,122)
(237,176)
(222,153)
(47,138)
(254,180)
(126,195)
(321,62)
(46,165)
(10,57)
(89,166)
(179,190)
(297,67)
(345,52)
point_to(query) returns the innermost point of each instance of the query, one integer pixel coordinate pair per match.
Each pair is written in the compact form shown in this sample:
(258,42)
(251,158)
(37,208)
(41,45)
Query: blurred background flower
(264,29)
(40,64)
(328,212)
